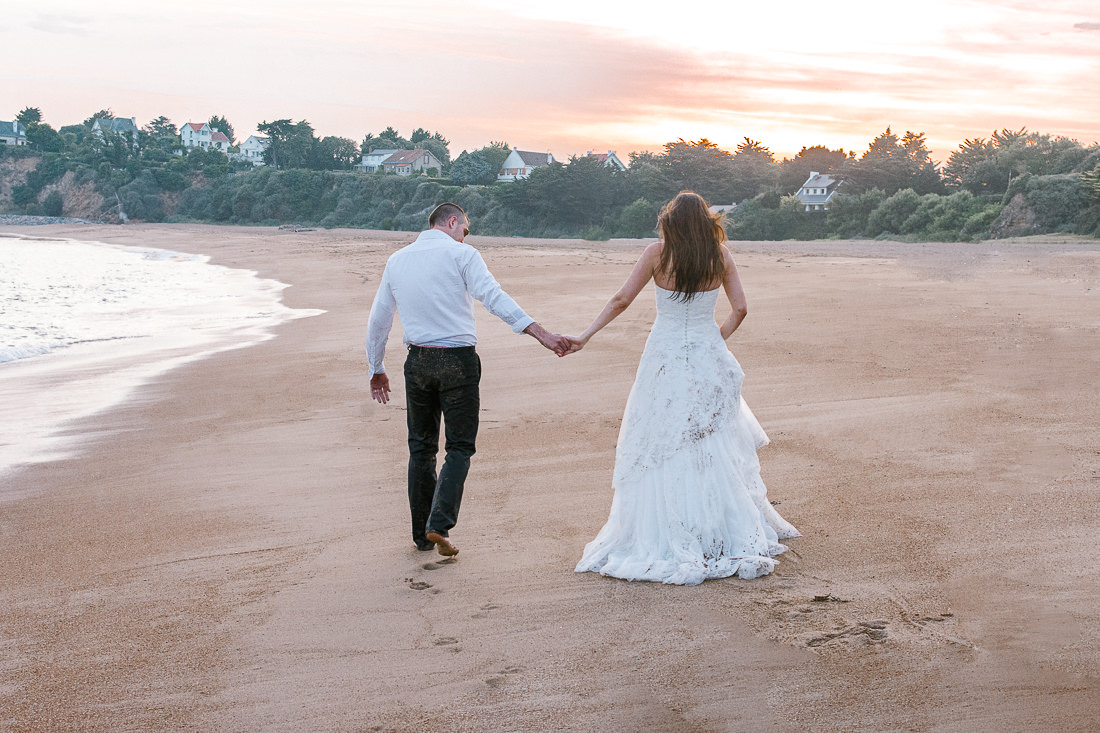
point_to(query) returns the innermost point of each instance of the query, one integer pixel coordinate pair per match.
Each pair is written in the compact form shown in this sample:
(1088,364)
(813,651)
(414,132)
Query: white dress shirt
(432,284)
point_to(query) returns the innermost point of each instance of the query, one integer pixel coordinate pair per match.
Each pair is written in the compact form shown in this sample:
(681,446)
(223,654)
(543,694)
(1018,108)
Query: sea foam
(84,323)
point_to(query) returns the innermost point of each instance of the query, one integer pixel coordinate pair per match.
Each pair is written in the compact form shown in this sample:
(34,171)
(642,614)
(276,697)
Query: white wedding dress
(689,502)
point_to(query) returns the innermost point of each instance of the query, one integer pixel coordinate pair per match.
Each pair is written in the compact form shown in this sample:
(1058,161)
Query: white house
(253,149)
(119,126)
(406,162)
(609,159)
(818,190)
(13,133)
(372,161)
(520,164)
(196,135)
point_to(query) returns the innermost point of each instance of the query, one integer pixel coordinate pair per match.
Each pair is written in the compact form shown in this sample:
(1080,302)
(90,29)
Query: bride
(689,502)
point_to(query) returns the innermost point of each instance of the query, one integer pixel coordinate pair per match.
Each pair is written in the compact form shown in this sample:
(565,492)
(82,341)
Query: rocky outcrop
(13,172)
(1017,219)
(82,202)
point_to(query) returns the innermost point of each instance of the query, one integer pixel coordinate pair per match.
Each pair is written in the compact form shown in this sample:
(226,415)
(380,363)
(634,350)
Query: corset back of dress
(694,319)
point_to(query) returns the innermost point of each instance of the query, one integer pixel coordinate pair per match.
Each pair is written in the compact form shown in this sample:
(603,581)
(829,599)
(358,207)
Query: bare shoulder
(727,259)
(652,253)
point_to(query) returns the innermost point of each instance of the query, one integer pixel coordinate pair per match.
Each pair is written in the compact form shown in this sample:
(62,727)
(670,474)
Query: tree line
(892,189)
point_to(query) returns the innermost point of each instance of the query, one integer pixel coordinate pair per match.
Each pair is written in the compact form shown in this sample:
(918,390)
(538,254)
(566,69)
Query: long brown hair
(691,256)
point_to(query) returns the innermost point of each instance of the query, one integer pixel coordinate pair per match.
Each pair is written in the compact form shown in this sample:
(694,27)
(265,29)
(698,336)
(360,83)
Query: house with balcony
(202,135)
(818,190)
(520,164)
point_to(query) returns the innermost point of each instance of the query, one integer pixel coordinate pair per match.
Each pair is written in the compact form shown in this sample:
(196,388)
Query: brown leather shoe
(442,544)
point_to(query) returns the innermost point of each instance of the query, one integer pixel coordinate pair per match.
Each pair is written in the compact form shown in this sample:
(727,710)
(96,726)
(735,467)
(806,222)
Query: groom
(432,284)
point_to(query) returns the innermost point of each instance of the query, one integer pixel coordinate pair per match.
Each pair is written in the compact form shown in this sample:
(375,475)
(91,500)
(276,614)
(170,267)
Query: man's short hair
(443,212)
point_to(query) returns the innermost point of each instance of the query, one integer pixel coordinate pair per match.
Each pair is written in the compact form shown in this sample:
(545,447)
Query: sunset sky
(572,75)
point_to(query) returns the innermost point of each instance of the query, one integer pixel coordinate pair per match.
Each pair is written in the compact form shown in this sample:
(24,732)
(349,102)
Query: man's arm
(483,287)
(557,343)
(481,284)
(379,324)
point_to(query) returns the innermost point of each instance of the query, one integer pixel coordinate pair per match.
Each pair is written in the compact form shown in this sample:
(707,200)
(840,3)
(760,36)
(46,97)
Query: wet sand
(231,549)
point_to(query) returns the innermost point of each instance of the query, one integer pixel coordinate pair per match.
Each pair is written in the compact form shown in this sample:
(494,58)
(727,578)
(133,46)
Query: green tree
(471,168)
(44,138)
(298,146)
(437,146)
(335,153)
(578,194)
(277,132)
(390,139)
(793,172)
(752,169)
(893,163)
(103,114)
(495,153)
(700,166)
(648,178)
(1057,200)
(848,215)
(972,167)
(53,204)
(638,219)
(29,115)
(1091,183)
(159,138)
(161,127)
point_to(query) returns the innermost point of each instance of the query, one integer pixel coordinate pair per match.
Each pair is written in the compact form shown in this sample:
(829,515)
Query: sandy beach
(230,550)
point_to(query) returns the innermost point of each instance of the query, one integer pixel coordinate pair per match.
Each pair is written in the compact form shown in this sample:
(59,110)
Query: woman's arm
(736,295)
(620,301)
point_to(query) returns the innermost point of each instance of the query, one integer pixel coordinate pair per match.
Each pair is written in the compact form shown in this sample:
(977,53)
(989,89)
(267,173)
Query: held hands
(563,345)
(557,343)
(575,344)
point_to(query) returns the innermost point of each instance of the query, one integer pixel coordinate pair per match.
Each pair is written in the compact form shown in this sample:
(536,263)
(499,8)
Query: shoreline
(232,551)
(188,310)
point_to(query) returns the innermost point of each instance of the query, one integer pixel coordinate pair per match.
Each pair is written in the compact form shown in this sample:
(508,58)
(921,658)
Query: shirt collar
(436,235)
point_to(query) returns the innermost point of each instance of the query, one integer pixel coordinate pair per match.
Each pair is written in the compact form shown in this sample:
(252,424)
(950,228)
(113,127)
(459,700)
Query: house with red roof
(201,135)
(407,162)
(609,159)
(520,164)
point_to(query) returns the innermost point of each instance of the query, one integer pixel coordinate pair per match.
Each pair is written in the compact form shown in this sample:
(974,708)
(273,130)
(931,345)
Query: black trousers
(440,382)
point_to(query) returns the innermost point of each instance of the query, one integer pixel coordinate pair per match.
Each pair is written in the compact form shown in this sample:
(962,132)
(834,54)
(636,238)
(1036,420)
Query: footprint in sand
(419,585)
(486,607)
(445,641)
(864,632)
(439,564)
(500,679)
(801,613)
